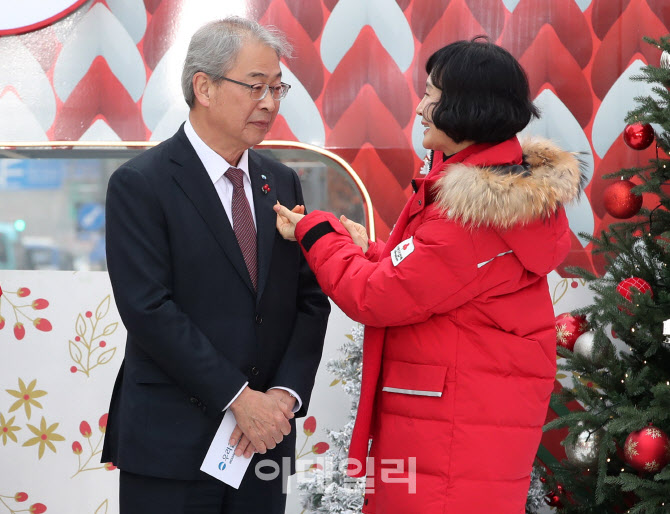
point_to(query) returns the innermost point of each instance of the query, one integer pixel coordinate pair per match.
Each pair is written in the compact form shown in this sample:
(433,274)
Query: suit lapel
(264,200)
(192,178)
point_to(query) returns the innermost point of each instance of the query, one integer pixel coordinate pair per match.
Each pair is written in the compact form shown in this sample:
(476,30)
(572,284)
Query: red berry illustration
(38,508)
(40,303)
(320,448)
(23,291)
(20,497)
(0,290)
(89,314)
(102,423)
(109,466)
(77,338)
(309,427)
(76,448)
(2,322)
(73,369)
(102,344)
(315,467)
(85,429)
(42,324)
(19,330)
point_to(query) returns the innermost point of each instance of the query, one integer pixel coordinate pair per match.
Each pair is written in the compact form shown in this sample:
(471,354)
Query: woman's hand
(357,232)
(287,220)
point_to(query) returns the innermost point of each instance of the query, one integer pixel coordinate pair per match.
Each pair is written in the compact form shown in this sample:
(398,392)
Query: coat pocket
(413,379)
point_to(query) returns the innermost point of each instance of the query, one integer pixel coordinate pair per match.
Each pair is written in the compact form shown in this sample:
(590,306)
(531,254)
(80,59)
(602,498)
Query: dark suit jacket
(196,329)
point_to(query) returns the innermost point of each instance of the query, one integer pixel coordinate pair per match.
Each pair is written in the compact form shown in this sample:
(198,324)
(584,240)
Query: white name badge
(221,461)
(401,251)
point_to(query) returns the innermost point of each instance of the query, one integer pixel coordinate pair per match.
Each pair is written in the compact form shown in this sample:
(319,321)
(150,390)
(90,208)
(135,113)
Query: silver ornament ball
(584,452)
(585,346)
(665,60)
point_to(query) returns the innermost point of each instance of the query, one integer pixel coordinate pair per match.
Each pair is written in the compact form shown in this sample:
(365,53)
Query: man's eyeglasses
(258,91)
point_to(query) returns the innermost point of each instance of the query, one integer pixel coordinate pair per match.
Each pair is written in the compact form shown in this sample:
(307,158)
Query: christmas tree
(617,447)
(330,490)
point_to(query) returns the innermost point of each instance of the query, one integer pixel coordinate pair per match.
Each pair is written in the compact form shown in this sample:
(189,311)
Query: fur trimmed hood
(504,196)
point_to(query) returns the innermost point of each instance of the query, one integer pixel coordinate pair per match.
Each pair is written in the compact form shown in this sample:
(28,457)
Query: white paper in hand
(221,461)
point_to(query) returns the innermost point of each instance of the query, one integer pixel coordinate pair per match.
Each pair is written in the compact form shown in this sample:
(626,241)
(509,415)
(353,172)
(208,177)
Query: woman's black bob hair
(485,95)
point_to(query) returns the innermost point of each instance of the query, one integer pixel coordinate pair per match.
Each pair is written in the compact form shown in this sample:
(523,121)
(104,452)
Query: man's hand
(287,220)
(262,422)
(283,396)
(357,232)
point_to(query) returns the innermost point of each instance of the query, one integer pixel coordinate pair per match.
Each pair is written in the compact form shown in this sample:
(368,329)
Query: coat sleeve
(438,275)
(375,250)
(140,270)
(297,369)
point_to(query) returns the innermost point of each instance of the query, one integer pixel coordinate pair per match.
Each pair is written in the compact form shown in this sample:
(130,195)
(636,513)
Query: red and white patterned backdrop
(110,71)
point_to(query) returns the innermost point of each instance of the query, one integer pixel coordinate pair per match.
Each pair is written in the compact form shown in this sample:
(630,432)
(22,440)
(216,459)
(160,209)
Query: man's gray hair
(215,46)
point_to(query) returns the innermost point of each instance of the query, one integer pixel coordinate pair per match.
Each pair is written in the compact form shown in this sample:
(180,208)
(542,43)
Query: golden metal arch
(6,148)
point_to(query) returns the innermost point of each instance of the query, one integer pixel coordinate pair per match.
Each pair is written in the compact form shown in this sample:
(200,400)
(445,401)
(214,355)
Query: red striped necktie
(243,223)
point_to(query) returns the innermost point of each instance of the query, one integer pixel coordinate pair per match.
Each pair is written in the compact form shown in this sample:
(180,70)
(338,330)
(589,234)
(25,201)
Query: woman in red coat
(459,353)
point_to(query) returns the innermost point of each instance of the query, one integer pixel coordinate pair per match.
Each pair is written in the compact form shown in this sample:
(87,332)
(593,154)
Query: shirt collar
(214,164)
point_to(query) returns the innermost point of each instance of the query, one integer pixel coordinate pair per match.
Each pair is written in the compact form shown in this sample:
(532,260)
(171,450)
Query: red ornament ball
(619,202)
(569,328)
(625,287)
(647,449)
(638,136)
(553,500)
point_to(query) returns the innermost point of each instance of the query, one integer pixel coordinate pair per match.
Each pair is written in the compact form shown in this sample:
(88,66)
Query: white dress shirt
(216,166)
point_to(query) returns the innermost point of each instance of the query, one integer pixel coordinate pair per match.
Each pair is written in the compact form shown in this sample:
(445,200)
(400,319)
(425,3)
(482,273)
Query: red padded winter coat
(459,351)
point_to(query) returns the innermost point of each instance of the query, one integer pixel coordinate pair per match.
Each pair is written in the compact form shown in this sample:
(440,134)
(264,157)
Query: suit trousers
(140,494)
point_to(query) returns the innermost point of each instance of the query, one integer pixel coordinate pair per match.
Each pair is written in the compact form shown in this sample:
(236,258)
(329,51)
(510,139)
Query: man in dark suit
(221,312)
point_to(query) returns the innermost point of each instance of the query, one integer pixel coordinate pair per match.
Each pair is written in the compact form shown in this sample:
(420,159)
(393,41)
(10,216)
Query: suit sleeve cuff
(298,401)
(235,397)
